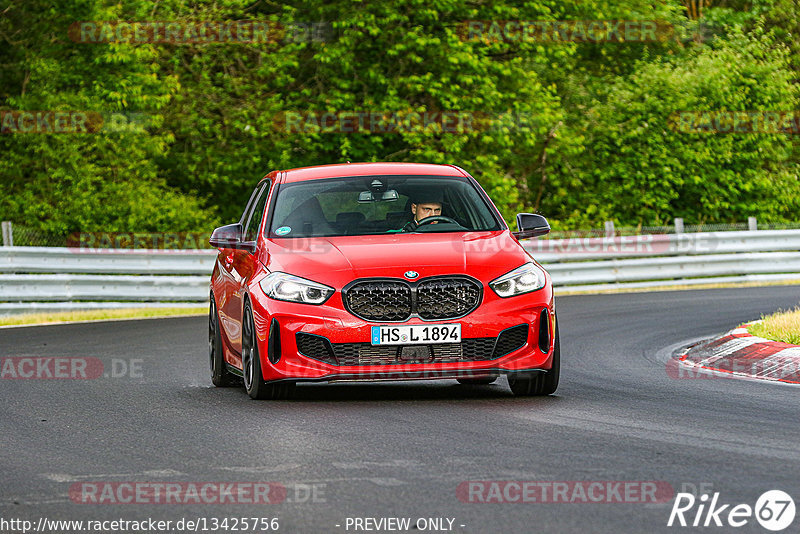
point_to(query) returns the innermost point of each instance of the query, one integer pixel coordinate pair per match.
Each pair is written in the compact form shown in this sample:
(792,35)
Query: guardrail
(55,279)
(105,261)
(596,264)
(694,244)
(64,278)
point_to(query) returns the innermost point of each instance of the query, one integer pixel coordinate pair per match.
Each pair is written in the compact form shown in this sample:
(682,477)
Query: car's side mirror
(230,236)
(531,225)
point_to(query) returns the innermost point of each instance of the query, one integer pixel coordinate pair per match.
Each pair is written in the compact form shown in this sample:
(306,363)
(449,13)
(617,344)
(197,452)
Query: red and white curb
(739,354)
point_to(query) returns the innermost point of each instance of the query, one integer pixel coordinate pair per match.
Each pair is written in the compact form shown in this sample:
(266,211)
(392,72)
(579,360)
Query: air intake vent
(544,331)
(510,340)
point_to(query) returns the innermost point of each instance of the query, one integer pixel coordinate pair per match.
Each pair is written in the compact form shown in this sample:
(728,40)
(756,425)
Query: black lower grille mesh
(510,340)
(316,347)
(469,350)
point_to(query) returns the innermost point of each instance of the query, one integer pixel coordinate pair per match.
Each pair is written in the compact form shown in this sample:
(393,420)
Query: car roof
(370,169)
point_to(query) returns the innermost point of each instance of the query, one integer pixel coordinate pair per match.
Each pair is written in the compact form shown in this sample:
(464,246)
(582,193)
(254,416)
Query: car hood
(338,260)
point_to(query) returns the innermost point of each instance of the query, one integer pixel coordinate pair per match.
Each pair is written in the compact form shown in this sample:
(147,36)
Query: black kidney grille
(379,300)
(431,299)
(469,350)
(443,298)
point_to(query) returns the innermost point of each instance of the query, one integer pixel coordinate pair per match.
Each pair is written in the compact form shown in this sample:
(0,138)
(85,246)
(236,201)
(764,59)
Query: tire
(541,383)
(254,382)
(483,381)
(220,376)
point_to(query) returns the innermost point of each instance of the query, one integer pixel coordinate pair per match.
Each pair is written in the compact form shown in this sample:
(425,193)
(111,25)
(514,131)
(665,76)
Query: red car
(379,271)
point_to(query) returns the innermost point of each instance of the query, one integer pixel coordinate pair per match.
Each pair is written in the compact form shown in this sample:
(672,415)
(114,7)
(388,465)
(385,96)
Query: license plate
(418,334)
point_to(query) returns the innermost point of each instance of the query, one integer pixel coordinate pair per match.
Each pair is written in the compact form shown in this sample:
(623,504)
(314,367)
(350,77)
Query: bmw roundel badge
(411,274)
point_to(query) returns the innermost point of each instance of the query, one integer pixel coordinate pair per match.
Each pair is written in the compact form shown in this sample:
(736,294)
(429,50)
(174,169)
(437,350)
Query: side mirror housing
(531,225)
(230,236)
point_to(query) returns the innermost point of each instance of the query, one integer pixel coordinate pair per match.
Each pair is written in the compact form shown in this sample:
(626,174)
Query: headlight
(282,286)
(521,280)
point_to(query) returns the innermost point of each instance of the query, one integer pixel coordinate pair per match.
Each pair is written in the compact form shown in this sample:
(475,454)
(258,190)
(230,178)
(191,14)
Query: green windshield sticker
(283,230)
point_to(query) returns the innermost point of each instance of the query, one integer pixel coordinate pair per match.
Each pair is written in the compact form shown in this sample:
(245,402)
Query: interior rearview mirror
(387,196)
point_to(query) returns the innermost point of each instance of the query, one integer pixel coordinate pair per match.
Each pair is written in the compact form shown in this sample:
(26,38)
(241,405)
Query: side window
(248,209)
(257,214)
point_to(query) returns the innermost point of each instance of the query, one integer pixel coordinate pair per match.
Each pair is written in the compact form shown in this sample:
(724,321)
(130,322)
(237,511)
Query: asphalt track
(401,449)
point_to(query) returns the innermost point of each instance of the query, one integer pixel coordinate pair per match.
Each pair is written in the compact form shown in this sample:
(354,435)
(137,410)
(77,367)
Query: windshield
(366,205)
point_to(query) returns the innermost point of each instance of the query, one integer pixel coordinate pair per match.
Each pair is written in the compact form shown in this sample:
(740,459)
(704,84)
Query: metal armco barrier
(90,278)
(675,268)
(597,264)
(70,287)
(620,247)
(105,261)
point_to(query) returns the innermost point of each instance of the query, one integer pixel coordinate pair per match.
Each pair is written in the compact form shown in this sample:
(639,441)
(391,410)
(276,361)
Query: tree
(639,168)
(106,177)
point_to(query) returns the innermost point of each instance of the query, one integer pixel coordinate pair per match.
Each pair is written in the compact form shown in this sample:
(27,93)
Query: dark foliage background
(581,132)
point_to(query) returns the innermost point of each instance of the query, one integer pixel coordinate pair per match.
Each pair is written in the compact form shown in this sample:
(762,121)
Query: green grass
(99,315)
(780,326)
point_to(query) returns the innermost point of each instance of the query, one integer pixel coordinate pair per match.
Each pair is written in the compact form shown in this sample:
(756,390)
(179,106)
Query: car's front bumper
(345,332)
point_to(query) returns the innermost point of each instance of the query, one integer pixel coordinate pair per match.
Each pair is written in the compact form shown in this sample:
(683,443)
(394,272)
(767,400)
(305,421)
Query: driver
(424,203)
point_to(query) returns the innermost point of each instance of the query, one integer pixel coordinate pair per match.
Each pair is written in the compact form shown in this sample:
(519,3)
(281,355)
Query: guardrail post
(678,225)
(609,228)
(752,224)
(8,234)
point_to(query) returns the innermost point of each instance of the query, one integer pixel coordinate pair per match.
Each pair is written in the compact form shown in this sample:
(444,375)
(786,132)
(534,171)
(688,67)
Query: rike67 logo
(774,510)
